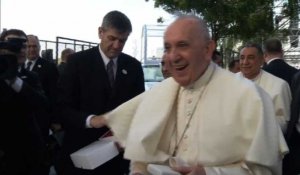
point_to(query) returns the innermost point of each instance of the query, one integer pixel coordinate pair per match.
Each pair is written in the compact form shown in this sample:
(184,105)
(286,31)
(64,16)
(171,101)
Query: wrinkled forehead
(187,28)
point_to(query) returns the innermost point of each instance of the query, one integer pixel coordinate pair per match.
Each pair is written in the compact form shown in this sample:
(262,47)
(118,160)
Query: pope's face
(187,52)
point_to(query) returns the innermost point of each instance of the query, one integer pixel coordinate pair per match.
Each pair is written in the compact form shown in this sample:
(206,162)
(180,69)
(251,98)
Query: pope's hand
(98,121)
(195,170)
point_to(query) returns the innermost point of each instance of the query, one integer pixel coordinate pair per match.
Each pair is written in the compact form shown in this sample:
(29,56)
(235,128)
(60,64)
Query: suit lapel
(38,65)
(98,66)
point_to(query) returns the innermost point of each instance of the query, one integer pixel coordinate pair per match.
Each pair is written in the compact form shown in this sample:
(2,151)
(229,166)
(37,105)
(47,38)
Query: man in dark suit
(291,162)
(21,95)
(96,81)
(275,64)
(48,75)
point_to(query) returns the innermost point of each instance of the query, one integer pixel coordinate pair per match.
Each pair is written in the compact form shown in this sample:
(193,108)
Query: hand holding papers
(98,121)
(95,154)
(183,167)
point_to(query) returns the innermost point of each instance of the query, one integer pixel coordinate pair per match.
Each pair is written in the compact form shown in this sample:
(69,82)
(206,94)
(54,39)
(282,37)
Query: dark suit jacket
(61,67)
(291,162)
(21,138)
(281,69)
(84,90)
(295,107)
(48,75)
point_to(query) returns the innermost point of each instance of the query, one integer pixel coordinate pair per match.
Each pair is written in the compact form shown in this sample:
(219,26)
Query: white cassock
(280,93)
(232,130)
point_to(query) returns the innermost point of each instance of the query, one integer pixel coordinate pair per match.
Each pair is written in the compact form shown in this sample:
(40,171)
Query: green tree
(240,19)
(232,20)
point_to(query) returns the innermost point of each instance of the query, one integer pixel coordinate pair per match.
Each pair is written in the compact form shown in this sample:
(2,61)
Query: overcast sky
(77,19)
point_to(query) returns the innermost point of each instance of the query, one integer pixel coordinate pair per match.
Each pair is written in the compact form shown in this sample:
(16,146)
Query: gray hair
(118,21)
(202,24)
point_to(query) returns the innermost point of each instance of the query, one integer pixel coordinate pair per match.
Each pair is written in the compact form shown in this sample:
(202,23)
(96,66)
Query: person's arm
(96,121)
(31,91)
(282,102)
(34,95)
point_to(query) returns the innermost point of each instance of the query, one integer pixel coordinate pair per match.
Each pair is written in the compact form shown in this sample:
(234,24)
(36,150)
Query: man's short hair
(255,45)
(273,45)
(118,21)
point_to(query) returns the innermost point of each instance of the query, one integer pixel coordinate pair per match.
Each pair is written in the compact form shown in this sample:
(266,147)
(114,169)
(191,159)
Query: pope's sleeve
(264,156)
(120,119)
(282,104)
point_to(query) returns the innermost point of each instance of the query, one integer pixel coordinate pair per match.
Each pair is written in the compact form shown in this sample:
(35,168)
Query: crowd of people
(201,120)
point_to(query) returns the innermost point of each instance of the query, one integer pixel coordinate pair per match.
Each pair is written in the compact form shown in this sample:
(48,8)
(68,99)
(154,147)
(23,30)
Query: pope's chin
(183,81)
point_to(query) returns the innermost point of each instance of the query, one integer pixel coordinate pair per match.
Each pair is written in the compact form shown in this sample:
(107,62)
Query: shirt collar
(257,77)
(204,79)
(33,61)
(276,58)
(106,59)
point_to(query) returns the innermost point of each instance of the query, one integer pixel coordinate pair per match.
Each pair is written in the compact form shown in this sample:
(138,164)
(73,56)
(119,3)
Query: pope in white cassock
(213,121)
(251,60)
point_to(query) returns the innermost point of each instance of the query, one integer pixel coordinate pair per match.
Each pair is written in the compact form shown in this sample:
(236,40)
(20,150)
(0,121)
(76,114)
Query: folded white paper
(95,154)
(161,170)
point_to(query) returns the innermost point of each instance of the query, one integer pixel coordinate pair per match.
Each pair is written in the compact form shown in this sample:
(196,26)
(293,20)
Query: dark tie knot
(28,65)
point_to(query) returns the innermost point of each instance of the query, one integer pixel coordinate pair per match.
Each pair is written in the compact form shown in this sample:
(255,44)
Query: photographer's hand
(16,83)
(10,81)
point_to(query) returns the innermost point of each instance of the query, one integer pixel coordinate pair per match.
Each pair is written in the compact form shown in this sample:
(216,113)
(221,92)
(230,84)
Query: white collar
(276,58)
(204,79)
(33,61)
(105,58)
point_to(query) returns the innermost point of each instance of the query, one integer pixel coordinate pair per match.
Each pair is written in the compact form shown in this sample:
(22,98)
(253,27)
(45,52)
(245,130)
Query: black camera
(9,61)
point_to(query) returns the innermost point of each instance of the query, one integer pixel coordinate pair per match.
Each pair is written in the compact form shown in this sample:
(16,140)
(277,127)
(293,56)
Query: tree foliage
(233,22)
(240,19)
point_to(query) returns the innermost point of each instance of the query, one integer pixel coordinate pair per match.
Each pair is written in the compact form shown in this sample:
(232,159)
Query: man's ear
(100,32)
(211,46)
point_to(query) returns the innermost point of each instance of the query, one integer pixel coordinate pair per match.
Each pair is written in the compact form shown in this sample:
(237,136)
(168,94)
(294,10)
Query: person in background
(291,162)
(64,59)
(275,64)
(21,96)
(164,68)
(96,81)
(217,58)
(234,66)
(48,75)
(251,60)
(197,131)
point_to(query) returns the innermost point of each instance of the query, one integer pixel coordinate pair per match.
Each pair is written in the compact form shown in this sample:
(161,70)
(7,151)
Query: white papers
(95,154)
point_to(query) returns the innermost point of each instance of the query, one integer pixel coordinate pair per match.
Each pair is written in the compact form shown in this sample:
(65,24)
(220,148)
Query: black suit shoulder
(281,69)
(48,75)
